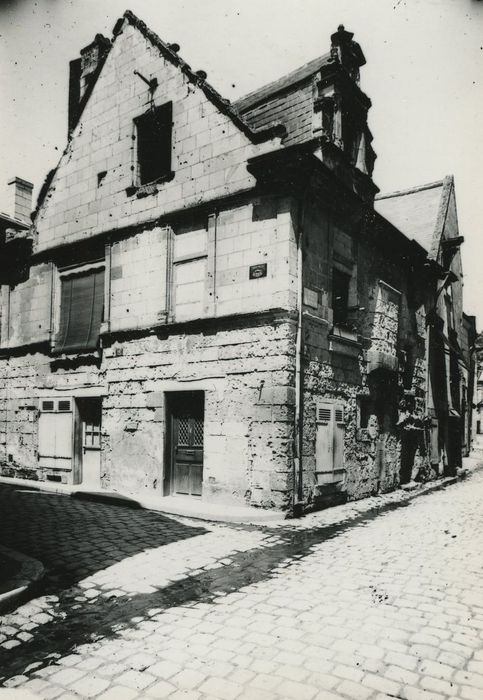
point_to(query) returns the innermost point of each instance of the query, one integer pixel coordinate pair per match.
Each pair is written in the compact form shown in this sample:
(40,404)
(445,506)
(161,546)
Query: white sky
(424,75)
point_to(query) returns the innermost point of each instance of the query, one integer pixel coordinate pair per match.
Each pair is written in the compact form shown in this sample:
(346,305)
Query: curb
(31,572)
(164,505)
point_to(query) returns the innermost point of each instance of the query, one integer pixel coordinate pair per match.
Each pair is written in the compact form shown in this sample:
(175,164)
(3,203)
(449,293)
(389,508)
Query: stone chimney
(83,74)
(22,199)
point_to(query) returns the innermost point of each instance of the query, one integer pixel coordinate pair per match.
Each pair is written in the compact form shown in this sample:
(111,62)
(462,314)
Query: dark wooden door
(187,426)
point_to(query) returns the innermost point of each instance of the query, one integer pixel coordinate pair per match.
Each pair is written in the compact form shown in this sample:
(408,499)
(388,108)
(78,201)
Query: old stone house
(211,307)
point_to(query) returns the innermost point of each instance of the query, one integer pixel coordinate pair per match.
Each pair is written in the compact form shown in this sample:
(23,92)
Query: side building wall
(366,367)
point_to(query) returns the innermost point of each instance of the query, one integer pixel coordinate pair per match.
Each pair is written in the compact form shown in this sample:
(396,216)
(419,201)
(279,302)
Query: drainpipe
(298,486)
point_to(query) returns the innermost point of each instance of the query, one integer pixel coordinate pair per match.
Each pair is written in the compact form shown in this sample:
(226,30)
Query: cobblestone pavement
(374,600)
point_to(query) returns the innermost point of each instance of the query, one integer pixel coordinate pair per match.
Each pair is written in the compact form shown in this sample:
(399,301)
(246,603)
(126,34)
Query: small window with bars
(92,434)
(56,406)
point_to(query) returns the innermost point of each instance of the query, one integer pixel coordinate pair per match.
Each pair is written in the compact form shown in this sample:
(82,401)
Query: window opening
(154,142)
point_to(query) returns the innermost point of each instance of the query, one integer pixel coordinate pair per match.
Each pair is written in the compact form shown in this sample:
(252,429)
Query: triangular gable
(72,208)
(199,78)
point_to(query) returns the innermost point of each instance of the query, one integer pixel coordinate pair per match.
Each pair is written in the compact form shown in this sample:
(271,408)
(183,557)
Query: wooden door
(187,430)
(90,419)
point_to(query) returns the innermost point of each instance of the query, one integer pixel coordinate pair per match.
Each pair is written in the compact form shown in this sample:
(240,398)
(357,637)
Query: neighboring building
(212,306)
(15,239)
(428,215)
(478,396)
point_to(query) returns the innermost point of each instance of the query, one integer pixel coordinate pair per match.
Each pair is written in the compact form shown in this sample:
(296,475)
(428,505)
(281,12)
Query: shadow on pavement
(78,622)
(76,538)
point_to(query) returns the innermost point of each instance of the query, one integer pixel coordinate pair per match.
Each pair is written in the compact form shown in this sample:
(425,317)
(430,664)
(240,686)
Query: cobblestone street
(377,599)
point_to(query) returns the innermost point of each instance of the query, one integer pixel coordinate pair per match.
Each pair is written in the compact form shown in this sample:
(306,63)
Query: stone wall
(246,373)
(365,361)
(26,308)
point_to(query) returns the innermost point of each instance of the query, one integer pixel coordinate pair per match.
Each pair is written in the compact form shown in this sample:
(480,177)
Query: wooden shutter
(81,310)
(55,435)
(434,445)
(339,435)
(329,442)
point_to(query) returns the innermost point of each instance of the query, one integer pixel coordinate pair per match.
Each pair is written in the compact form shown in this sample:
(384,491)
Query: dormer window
(154,139)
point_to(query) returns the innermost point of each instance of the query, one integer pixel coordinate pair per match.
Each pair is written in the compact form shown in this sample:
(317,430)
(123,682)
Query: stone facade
(252,278)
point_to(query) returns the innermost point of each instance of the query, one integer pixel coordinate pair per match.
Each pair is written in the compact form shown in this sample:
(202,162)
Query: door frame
(169,447)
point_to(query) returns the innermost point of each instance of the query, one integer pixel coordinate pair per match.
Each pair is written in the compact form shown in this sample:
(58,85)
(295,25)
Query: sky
(424,76)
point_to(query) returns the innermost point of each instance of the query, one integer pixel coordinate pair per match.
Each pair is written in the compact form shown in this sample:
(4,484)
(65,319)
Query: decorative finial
(340,28)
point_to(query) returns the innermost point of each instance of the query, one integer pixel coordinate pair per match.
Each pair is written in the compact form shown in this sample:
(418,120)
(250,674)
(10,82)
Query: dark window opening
(340,297)
(366,409)
(81,310)
(351,135)
(328,117)
(154,136)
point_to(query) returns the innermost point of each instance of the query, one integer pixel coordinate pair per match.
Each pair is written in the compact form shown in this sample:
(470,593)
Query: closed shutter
(81,310)
(339,435)
(55,435)
(435,456)
(329,442)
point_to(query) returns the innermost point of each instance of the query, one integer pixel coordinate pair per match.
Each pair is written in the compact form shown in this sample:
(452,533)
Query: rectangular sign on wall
(257,271)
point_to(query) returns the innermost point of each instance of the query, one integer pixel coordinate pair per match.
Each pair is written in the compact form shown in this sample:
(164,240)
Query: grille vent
(47,405)
(64,405)
(339,415)
(323,415)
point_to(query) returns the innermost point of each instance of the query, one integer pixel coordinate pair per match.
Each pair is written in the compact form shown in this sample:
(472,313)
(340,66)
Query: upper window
(81,308)
(340,296)
(189,274)
(153,132)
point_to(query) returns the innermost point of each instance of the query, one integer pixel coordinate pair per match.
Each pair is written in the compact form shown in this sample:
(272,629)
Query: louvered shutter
(339,435)
(81,310)
(329,442)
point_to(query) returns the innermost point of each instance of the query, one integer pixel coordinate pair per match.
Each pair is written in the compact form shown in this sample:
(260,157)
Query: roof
(269,90)
(9,221)
(288,101)
(418,212)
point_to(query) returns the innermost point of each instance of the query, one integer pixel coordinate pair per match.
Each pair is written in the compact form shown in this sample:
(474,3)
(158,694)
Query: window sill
(344,334)
(149,188)
(70,354)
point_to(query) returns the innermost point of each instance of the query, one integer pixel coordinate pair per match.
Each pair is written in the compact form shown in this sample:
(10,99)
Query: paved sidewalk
(378,599)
